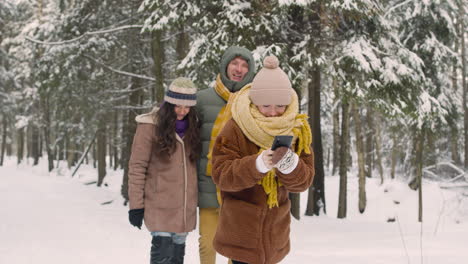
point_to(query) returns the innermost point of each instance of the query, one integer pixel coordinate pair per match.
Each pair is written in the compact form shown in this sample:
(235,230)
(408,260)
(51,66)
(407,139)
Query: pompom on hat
(271,85)
(182,91)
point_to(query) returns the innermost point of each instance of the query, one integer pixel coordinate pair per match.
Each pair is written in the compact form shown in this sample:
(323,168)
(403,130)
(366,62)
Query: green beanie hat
(231,53)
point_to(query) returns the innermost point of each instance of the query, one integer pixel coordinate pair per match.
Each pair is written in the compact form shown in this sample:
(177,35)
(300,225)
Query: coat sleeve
(233,171)
(302,176)
(138,164)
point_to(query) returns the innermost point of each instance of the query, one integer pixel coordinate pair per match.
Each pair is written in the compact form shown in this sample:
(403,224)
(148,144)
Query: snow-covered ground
(56,219)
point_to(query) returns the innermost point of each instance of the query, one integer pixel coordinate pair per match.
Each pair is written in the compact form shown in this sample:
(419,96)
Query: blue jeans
(177,238)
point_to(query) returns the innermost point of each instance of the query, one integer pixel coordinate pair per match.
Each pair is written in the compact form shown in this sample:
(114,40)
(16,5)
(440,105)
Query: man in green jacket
(236,69)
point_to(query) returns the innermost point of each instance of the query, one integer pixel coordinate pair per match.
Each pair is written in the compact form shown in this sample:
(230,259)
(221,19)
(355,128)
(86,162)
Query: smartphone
(281,141)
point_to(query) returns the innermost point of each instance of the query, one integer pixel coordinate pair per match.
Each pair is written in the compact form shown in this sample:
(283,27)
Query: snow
(295,2)
(21,121)
(54,218)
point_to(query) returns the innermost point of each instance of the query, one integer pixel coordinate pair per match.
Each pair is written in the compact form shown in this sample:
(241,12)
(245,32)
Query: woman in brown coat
(255,181)
(162,172)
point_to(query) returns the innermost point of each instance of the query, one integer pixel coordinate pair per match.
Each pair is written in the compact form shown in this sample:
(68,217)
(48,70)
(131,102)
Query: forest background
(384,82)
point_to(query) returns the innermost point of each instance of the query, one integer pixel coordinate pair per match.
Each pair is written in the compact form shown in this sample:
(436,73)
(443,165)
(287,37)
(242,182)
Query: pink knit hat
(271,85)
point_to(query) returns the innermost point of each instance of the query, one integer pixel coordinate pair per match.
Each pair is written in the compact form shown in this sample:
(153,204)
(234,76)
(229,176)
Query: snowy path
(56,219)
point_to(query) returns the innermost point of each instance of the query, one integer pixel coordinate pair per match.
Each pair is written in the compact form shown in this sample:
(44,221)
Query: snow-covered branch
(121,72)
(396,6)
(448,164)
(82,36)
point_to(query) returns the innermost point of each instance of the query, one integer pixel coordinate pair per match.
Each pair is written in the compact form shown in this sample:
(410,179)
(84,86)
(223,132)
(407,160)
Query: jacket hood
(230,54)
(147,118)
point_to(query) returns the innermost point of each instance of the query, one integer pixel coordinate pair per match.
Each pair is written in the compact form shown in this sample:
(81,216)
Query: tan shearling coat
(248,230)
(166,188)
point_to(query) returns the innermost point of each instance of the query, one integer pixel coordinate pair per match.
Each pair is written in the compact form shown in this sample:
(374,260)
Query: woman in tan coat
(255,181)
(162,172)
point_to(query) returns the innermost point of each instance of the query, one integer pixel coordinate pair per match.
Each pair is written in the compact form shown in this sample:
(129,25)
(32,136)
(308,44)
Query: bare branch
(121,72)
(85,34)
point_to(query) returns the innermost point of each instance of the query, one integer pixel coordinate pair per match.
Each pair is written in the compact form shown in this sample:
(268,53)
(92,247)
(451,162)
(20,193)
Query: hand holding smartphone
(281,145)
(281,141)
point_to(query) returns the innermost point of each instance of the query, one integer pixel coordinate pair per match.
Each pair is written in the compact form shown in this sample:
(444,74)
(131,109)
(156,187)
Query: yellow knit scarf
(223,116)
(261,130)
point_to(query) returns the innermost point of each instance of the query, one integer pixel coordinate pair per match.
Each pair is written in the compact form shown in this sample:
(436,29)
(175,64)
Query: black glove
(136,217)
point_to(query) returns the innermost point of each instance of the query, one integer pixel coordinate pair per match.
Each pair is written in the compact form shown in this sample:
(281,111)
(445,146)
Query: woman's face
(272,110)
(181,111)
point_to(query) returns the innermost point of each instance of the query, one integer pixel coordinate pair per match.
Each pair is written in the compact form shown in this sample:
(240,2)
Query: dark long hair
(165,119)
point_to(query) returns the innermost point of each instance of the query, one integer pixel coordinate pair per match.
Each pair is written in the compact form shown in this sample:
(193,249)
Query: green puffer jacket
(209,103)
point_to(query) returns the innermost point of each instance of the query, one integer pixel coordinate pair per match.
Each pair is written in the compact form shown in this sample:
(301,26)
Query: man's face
(237,69)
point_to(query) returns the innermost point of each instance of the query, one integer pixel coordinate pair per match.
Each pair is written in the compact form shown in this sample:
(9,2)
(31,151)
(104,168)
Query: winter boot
(162,250)
(179,253)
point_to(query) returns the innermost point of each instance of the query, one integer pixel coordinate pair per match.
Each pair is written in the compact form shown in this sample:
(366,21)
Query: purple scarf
(181,127)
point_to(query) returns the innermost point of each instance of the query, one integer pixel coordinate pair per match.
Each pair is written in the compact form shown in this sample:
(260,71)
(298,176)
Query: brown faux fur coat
(248,230)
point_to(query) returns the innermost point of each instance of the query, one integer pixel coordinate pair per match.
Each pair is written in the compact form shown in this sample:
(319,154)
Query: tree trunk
(453,142)
(20,145)
(413,171)
(369,142)
(463,75)
(41,142)
(128,127)
(395,152)
(134,98)
(61,149)
(344,149)
(94,156)
(129,132)
(336,128)
(50,154)
(71,149)
(45,109)
(9,146)
(431,157)
(453,116)
(46,116)
(35,145)
(57,153)
(183,46)
(316,195)
(84,156)
(114,141)
(157,48)
(349,159)
(110,149)
(4,138)
(101,151)
(419,173)
(360,154)
(28,139)
(378,148)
